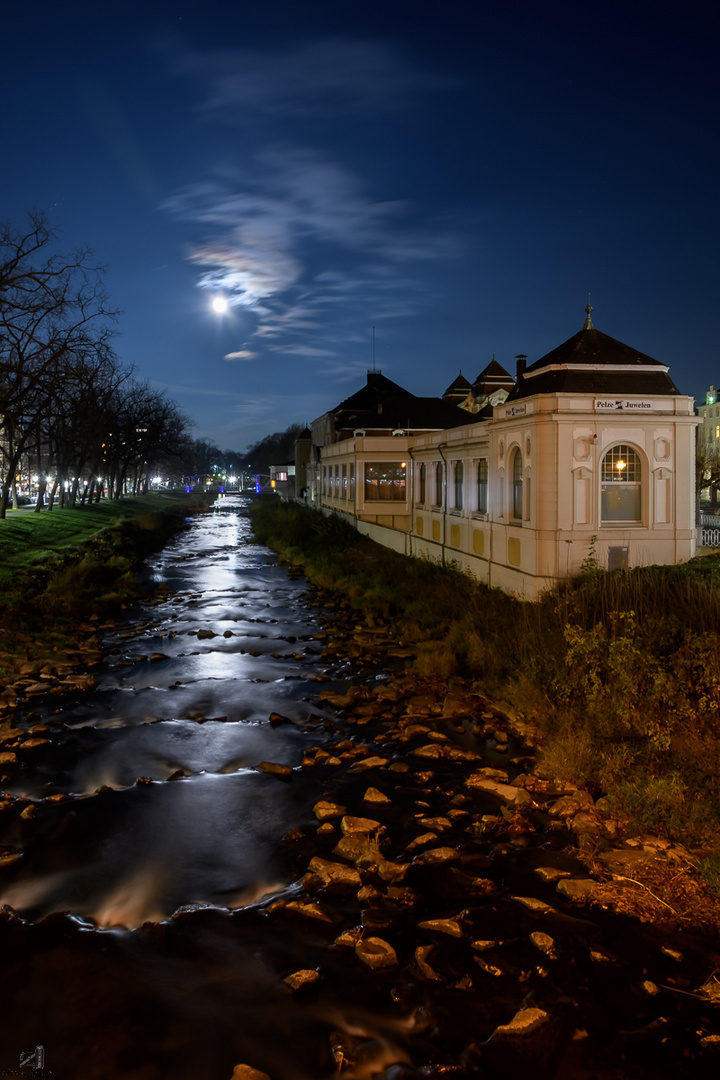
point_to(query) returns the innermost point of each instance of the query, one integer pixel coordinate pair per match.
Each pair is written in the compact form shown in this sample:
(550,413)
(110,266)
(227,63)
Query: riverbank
(616,673)
(507,915)
(650,877)
(279,847)
(61,571)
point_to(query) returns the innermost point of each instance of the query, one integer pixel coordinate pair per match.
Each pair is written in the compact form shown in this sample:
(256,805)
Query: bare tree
(54,314)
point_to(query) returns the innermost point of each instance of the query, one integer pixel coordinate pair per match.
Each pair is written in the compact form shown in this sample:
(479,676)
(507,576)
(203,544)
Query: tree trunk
(9,484)
(42,487)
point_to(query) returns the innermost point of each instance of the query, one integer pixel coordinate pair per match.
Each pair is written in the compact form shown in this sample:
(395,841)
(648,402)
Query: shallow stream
(147,867)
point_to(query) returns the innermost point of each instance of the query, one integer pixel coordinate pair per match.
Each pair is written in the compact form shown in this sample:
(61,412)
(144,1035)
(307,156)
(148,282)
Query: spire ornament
(588,322)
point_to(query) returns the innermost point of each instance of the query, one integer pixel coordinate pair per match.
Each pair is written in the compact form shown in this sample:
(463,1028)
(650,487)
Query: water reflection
(137,851)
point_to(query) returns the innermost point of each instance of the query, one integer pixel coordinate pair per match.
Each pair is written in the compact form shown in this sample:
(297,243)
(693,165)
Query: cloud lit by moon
(267,183)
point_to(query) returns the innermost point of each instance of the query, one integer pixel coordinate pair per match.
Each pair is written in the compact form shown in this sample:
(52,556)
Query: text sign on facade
(515,410)
(622,405)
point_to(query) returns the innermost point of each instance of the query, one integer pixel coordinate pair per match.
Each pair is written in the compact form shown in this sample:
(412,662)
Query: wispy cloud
(295,234)
(302,350)
(330,76)
(242,354)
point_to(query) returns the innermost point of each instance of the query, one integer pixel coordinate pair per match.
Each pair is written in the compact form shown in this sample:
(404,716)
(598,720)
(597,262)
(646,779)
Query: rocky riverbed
(439,908)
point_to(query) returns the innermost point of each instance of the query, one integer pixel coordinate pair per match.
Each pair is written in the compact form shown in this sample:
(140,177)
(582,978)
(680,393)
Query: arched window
(621,485)
(482,486)
(517,486)
(458,485)
(421,484)
(439,484)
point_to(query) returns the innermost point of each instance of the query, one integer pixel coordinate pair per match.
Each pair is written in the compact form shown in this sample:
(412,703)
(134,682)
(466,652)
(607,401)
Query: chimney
(520,370)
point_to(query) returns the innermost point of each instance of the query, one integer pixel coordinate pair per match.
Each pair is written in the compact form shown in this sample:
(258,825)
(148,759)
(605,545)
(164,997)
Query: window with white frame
(458,477)
(438,484)
(421,484)
(621,485)
(517,485)
(482,486)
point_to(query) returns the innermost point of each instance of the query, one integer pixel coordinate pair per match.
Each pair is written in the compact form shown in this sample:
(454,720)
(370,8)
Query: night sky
(459,175)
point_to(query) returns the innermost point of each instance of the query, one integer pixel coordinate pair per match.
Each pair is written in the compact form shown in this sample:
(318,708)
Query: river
(147,869)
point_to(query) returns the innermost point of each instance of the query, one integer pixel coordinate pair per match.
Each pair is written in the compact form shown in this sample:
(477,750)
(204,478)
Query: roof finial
(588,322)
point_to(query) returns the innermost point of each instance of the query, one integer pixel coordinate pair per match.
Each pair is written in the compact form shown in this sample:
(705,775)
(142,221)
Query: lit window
(621,492)
(385,481)
(344,482)
(517,486)
(352,480)
(482,486)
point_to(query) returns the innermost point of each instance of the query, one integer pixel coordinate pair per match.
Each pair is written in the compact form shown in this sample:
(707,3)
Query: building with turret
(589,450)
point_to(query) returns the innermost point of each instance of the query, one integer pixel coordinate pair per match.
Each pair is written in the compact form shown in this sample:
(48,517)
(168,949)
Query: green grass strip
(26,537)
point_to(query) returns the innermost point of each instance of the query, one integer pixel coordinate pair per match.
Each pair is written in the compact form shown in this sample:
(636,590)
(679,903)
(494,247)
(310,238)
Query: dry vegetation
(620,671)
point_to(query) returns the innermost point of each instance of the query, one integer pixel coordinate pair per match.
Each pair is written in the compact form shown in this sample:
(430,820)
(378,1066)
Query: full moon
(219,305)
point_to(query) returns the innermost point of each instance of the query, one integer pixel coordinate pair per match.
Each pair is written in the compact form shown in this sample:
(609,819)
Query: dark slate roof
(576,367)
(410,413)
(376,389)
(493,377)
(459,388)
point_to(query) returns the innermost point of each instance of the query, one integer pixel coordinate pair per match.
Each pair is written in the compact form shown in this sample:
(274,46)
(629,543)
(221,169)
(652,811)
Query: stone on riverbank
(523,1023)
(376,953)
(578,888)
(327,811)
(273,768)
(246,1072)
(301,979)
(332,874)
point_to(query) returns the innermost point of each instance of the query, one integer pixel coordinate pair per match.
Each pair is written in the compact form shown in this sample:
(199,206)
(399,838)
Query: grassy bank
(620,671)
(58,568)
(26,537)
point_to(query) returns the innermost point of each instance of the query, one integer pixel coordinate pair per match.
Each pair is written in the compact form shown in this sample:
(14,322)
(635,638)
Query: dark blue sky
(457,174)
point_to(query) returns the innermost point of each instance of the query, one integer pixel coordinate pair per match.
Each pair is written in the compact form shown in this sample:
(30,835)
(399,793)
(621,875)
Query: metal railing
(710,538)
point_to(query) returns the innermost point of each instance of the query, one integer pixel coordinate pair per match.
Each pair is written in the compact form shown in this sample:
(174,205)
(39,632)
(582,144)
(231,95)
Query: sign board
(622,405)
(515,410)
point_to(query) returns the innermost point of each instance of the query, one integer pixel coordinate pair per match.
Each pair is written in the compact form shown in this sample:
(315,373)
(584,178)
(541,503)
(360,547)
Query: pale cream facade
(522,498)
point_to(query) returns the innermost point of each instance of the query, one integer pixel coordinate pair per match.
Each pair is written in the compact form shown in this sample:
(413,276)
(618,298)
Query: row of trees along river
(69,409)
